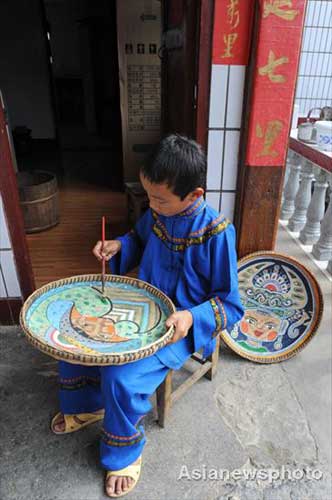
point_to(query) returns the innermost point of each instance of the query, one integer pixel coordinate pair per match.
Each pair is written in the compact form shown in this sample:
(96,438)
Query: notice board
(139,35)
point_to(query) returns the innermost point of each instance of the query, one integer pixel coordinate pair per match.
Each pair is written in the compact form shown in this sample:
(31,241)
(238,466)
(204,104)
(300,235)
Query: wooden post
(257,208)
(270,84)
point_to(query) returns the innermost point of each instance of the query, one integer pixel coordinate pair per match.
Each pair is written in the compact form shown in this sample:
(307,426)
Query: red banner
(231,34)
(278,48)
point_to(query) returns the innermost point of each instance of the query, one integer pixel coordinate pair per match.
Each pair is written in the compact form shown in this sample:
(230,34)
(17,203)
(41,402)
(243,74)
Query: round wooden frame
(318,301)
(93,360)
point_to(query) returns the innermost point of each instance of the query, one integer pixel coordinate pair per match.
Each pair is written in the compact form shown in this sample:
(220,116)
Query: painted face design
(260,326)
(101,329)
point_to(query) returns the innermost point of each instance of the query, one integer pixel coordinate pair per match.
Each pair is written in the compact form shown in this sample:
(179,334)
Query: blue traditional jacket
(191,257)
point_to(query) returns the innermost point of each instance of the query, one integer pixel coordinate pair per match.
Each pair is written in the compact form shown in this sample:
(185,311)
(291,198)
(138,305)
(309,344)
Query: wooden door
(179,53)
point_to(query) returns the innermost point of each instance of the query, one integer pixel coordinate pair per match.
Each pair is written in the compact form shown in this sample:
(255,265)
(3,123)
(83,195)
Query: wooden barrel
(38,192)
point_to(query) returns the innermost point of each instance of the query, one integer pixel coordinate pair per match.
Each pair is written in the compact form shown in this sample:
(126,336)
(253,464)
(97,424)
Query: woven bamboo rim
(318,312)
(89,359)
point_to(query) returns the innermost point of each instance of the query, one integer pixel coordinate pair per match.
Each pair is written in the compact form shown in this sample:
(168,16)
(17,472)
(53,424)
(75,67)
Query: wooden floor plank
(65,250)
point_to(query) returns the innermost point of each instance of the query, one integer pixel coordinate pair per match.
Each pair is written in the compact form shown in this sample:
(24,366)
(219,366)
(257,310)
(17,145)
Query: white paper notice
(139,34)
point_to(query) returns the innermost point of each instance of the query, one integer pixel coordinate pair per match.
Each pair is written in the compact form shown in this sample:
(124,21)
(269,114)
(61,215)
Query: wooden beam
(258,206)
(196,375)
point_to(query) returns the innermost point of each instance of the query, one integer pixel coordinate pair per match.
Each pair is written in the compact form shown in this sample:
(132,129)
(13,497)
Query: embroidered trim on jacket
(180,244)
(223,313)
(209,226)
(192,209)
(219,314)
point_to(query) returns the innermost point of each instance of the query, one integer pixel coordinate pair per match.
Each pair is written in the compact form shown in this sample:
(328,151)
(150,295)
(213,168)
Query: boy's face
(164,201)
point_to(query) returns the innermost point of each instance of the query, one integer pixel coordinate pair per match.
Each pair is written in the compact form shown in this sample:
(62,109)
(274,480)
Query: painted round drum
(72,320)
(283,307)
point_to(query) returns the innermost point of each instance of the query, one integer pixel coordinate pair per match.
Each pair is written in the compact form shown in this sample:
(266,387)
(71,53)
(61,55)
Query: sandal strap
(71,423)
(132,470)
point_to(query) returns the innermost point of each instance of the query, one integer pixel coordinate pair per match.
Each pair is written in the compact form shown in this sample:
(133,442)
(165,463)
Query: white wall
(226,101)
(9,286)
(24,78)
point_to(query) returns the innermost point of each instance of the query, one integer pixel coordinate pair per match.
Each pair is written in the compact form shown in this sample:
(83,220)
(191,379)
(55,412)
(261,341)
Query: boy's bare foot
(118,484)
(59,424)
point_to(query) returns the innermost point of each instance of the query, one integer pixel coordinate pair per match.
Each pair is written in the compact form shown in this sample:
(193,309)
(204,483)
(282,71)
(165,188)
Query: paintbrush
(102,249)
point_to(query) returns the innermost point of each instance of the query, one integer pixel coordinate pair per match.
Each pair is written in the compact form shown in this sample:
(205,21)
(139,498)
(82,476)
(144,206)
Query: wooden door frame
(204,69)
(199,72)
(12,210)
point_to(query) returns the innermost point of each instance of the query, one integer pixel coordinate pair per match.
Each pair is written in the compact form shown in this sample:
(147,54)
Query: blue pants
(123,391)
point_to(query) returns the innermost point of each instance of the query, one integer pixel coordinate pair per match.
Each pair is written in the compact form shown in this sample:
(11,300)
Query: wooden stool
(165,396)
(137,200)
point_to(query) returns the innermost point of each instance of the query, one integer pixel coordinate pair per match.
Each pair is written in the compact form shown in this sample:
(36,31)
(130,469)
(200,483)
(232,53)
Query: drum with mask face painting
(283,307)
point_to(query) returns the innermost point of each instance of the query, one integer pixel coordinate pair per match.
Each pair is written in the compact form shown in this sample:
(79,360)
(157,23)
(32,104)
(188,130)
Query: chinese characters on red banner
(279,37)
(271,65)
(277,7)
(232,31)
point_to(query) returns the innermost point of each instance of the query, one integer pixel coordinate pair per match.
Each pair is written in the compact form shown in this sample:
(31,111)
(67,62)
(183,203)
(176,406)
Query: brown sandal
(71,424)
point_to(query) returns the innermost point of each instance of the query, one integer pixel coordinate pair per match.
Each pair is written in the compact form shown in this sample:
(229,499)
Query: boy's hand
(111,247)
(182,320)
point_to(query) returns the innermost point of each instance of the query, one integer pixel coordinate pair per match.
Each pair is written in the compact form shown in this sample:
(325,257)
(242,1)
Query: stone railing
(306,208)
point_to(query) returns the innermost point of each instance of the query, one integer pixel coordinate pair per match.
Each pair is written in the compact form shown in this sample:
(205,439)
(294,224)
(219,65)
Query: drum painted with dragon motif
(72,320)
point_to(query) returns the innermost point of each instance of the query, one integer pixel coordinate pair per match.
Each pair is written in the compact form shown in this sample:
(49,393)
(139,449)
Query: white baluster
(329,266)
(311,231)
(291,188)
(322,250)
(289,161)
(302,200)
(292,159)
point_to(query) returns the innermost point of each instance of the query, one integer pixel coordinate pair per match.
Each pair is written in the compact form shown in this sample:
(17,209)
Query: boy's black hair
(179,162)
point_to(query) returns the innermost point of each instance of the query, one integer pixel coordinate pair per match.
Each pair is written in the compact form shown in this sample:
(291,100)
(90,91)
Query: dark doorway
(82,45)
(80,37)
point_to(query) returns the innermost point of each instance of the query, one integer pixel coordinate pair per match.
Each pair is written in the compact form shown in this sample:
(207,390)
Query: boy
(185,249)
